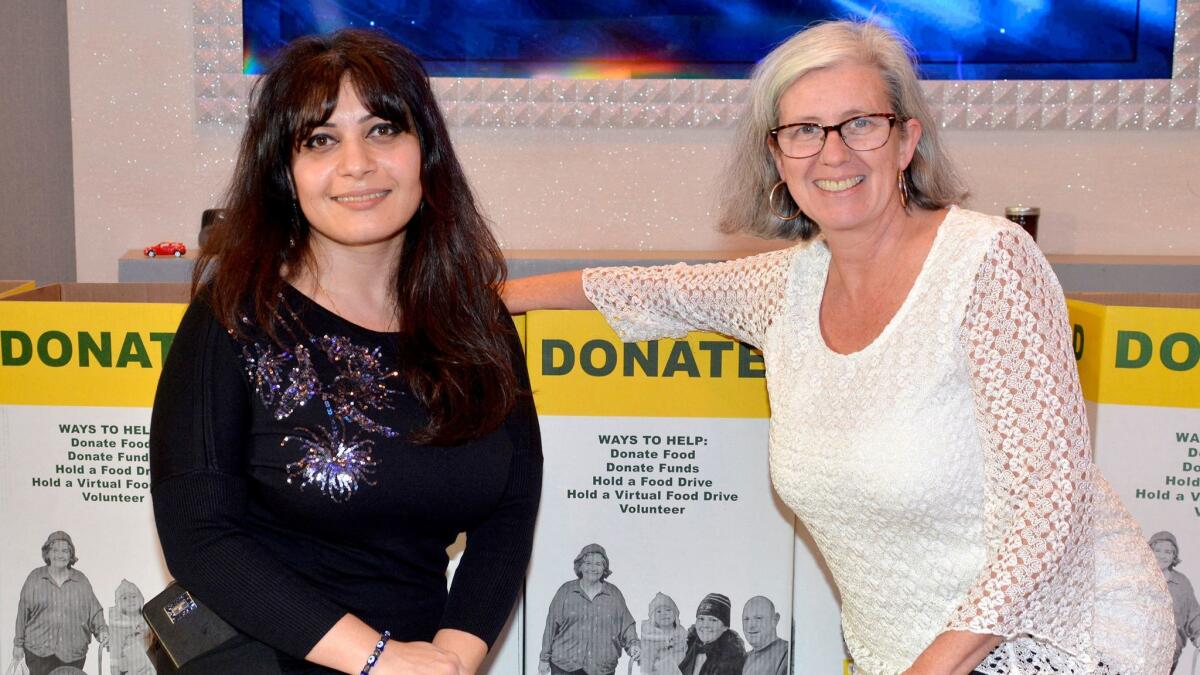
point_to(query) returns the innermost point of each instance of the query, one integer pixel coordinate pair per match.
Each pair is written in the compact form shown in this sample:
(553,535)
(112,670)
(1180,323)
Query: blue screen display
(955,39)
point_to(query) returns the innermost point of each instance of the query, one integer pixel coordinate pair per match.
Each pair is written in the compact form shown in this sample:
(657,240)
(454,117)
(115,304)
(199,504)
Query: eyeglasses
(860,133)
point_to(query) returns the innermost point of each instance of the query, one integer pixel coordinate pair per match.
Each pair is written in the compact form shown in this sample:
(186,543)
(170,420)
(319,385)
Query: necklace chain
(332,302)
(321,290)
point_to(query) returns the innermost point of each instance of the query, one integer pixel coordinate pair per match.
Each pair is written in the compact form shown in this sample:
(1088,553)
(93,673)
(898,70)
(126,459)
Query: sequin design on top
(336,459)
(361,383)
(283,380)
(336,465)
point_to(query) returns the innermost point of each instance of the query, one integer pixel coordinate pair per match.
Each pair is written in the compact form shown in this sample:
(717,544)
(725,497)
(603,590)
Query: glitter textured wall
(1115,166)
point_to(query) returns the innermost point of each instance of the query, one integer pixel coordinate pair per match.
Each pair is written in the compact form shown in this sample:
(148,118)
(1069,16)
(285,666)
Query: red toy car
(165,248)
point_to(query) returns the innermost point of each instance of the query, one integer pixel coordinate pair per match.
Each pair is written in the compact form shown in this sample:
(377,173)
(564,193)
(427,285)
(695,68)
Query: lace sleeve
(739,298)
(1037,466)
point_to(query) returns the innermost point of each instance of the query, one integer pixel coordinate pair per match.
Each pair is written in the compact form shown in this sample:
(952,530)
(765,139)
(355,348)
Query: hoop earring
(771,204)
(905,192)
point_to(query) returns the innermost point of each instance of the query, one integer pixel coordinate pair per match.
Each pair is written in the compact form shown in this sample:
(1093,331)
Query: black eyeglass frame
(892,118)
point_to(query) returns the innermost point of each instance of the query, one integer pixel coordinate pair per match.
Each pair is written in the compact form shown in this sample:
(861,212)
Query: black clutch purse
(185,628)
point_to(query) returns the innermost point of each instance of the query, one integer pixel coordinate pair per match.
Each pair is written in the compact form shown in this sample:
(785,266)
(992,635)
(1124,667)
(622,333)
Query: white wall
(144,169)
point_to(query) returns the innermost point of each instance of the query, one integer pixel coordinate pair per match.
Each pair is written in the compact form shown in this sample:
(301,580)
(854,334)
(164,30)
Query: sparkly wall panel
(954,40)
(505,103)
(158,101)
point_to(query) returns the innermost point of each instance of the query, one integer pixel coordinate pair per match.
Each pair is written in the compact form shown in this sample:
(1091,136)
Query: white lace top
(944,470)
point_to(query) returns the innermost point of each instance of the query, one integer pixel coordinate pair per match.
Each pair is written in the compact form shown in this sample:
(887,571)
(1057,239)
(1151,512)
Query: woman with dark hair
(346,393)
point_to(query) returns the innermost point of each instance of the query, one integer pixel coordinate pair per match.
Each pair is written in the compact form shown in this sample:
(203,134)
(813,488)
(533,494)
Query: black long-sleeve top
(287,494)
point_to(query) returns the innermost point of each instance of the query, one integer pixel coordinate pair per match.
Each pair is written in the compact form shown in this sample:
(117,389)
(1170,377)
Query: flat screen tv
(954,39)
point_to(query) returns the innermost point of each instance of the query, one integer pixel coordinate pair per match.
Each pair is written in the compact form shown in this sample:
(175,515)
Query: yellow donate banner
(84,353)
(578,366)
(1137,355)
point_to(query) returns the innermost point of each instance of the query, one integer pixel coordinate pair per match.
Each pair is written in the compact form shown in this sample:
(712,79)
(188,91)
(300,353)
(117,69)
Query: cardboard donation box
(11,287)
(656,464)
(78,368)
(1139,364)
(79,365)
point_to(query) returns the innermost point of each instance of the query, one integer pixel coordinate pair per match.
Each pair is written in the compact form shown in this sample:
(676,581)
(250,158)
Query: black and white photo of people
(1183,594)
(59,615)
(589,625)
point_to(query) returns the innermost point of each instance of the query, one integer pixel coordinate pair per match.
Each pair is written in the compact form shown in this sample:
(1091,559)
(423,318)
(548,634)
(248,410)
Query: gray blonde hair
(933,181)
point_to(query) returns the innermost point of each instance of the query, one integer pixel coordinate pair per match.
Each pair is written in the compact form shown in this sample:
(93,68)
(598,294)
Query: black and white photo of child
(664,639)
(129,635)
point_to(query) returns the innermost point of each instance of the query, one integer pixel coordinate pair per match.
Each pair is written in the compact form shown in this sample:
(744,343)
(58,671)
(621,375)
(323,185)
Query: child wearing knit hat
(664,640)
(129,635)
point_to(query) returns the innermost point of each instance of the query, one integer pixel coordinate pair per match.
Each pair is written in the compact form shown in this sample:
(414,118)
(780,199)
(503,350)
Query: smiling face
(357,177)
(709,628)
(759,622)
(59,554)
(591,567)
(1164,554)
(129,603)
(840,188)
(663,616)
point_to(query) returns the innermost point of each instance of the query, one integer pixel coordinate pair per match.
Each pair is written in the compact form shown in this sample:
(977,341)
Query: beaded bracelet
(383,639)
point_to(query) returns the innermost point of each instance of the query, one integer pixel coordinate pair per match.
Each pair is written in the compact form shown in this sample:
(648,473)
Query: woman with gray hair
(1183,596)
(927,423)
(588,623)
(57,613)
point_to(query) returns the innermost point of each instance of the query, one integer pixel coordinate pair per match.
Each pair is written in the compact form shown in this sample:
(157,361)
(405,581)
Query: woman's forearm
(346,646)
(560,290)
(954,653)
(469,648)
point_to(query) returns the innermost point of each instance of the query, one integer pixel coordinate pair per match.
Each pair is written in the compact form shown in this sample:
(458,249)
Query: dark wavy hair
(452,323)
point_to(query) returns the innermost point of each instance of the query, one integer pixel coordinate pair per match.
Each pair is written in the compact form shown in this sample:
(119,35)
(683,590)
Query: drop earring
(905,192)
